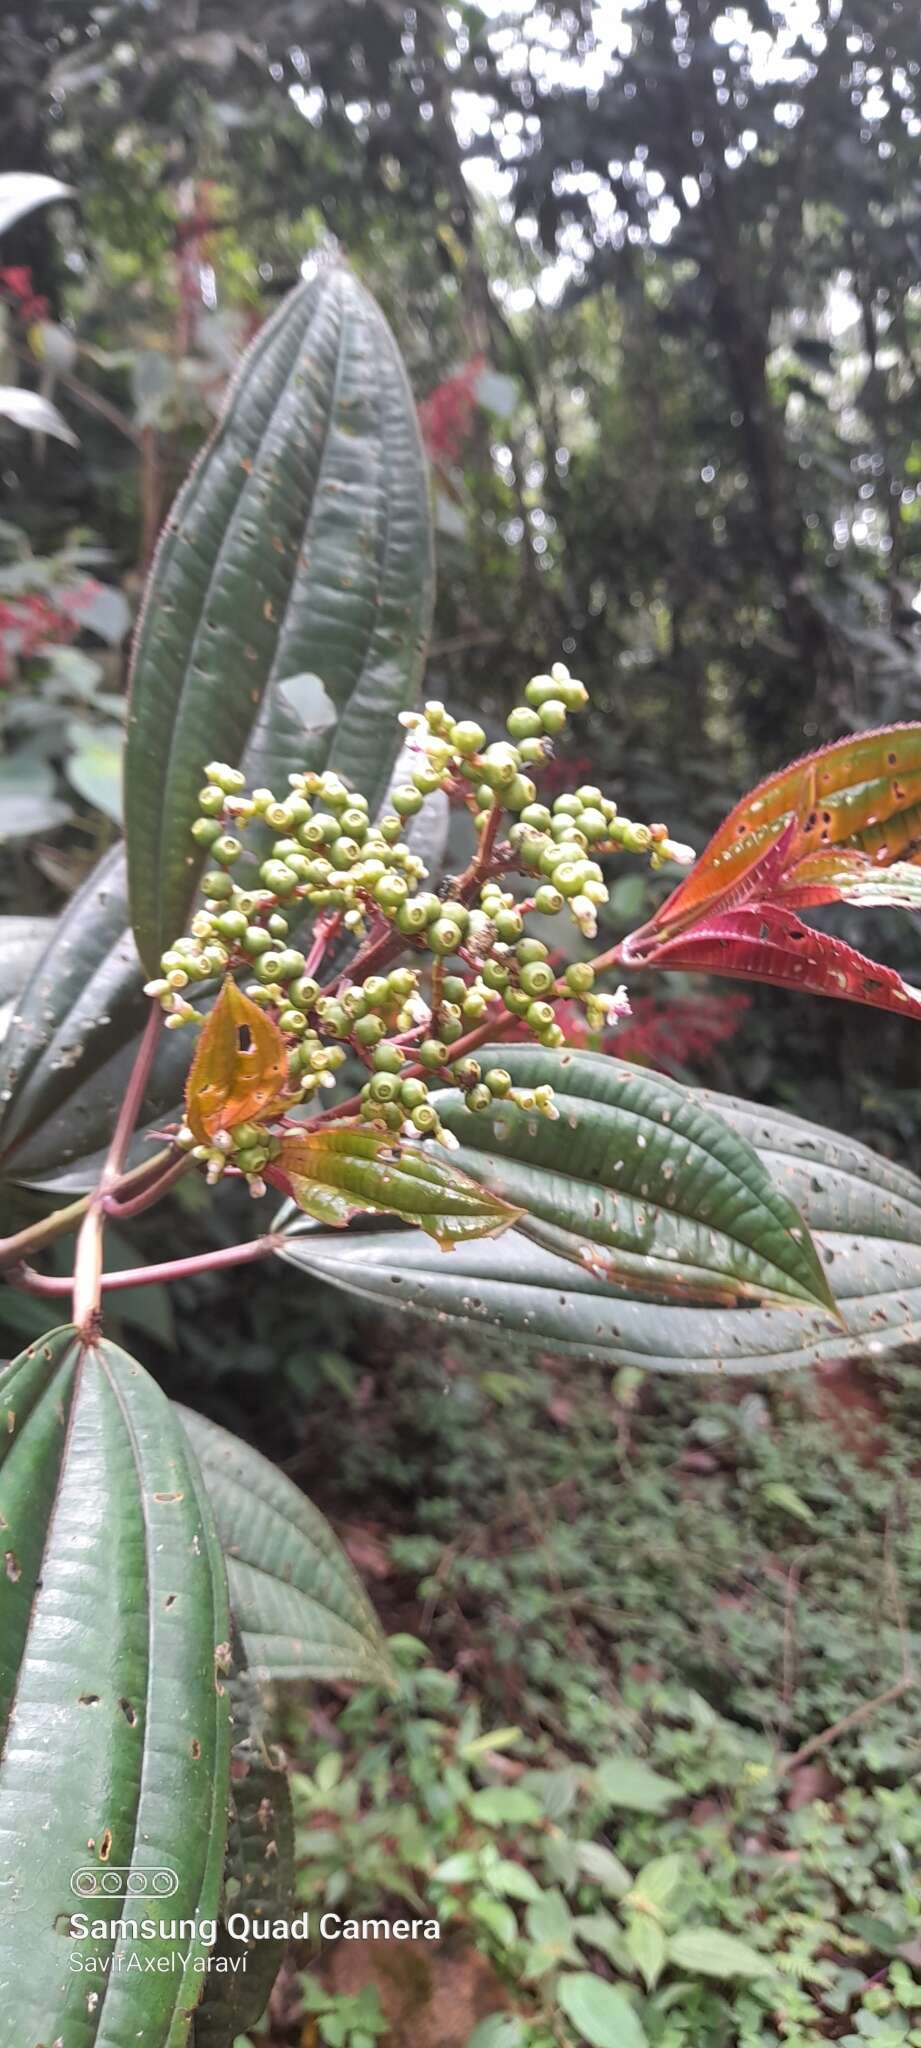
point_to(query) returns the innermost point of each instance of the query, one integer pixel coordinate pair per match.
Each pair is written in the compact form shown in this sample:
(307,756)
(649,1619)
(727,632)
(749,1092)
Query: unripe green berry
(205,831)
(536,815)
(494,974)
(519,793)
(636,838)
(266,967)
(432,1053)
(533,753)
(407,801)
(229,779)
(425,1118)
(293,1021)
(412,1092)
(383,1088)
(517,1001)
(304,991)
(498,1081)
(277,925)
(593,823)
(474,1006)
(231,924)
(354,821)
(369,1031)
(548,900)
(480,1097)
(211,800)
(454,988)
(275,875)
(412,917)
(290,963)
(499,765)
(227,850)
(467,738)
(509,925)
(402,982)
(539,690)
(553,717)
(540,1016)
(568,877)
(530,950)
(390,892)
(426,779)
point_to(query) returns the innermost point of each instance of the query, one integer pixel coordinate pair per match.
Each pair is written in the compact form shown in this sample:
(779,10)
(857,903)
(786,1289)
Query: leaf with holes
(114,1715)
(342,1171)
(240,1067)
(863,792)
(299,1607)
(301,544)
(636,1183)
(258,1873)
(767,942)
(864,1215)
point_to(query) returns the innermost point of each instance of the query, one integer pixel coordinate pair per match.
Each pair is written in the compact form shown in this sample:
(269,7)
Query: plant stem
(87,1279)
(147,1276)
(35,1236)
(136,1204)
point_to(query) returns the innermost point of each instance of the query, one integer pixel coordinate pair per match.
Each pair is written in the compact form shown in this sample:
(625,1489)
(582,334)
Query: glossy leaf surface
(71,1041)
(300,545)
(864,1214)
(114,1636)
(636,1182)
(340,1172)
(299,1607)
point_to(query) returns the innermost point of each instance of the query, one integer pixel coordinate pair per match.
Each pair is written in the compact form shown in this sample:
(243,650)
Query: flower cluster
(433,972)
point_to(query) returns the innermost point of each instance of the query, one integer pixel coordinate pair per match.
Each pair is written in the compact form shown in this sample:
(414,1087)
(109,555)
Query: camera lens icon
(123,1880)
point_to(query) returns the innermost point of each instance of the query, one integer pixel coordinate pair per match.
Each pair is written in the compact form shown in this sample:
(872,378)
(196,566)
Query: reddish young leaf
(768,942)
(863,792)
(239,1069)
(345,1170)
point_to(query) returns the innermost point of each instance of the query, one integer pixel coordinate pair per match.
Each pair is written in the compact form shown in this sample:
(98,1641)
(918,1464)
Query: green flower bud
(407,801)
(425,1118)
(479,1097)
(304,991)
(369,1031)
(498,1081)
(206,831)
(217,885)
(467,738)
(540,1016)
(266,967)
(509,925)
(454,988)
(426,778)
(445,935)
(412,1092)
(402,982)
(536,815)
(390,892)
(412,917)
(519,793)
(388,1059)
(537,978)
(547,899)
(290,963)
(432,1053)
(293,1021)
(530,950)
(474,1006)
(517,1000)
(553,715)
(533,753)
(229,779)
(277,925)
(494,974)
(523,723)
(227,850)
(539,690)
(231,924)
(382,1088)
(275,875)
(580,977)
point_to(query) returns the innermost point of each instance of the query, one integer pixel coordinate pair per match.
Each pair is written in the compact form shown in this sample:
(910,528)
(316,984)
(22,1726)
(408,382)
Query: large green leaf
(114,1714)
(300,1609)
(67,1054)
(258,1874)
(865,1215)
(299,547)
(637,1181)
(341,1171)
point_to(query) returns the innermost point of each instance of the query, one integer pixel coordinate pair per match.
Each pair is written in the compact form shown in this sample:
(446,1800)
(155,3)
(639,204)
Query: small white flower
(615,1003)
(672,849)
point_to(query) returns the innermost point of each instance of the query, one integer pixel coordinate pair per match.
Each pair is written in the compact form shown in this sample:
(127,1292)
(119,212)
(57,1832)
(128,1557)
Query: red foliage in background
(445,415)
(16,284)
(670,1035)
(30,623)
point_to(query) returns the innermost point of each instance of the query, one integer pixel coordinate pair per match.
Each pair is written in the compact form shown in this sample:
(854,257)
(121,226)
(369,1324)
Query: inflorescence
(433,968)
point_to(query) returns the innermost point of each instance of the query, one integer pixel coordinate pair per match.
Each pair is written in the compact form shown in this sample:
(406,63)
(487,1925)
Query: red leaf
(767,942)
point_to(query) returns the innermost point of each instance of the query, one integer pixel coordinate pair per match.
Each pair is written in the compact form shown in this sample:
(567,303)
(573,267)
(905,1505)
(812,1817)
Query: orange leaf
(239,1069)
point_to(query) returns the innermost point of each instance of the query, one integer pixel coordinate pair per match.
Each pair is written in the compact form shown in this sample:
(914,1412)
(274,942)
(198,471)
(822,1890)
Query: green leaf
(301,544)
(300,1608)
(599,2013)
(114,1713)
(714,1954)
(637,1182)
(602,1931)
(258,1873)
(342,1171)
(622,1782)
(780,1495)
(512,1880)
(65,1060)
(864,1213)
(551,1926)
(646,1946)
(500,2030)
(94,770)
(657,1881)
(499,1918)
(604,1868)
(499,1805)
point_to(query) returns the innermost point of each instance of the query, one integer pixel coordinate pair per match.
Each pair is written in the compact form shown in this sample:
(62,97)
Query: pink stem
(148,1276)
(87,1278)
(136,1204)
